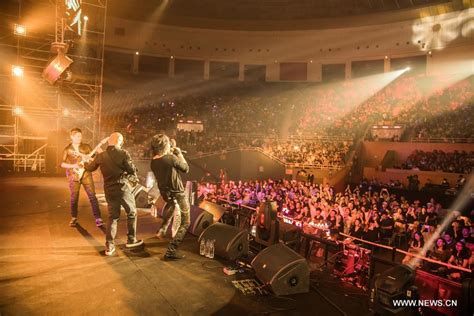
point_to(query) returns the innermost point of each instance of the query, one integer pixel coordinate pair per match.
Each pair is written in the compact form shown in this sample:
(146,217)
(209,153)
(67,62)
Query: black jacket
(111,174)
(166,170)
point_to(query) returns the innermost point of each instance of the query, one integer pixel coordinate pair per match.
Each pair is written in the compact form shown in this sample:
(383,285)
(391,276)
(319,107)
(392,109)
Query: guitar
(79,171)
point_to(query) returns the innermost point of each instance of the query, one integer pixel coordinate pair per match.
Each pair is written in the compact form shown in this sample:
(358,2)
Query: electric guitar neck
(79,171)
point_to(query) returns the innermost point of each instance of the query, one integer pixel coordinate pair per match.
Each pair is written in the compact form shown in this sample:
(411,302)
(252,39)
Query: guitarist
(72,161)
(118,171)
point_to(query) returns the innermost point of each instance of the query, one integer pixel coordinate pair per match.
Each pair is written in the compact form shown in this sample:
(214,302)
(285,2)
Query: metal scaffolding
(34,114)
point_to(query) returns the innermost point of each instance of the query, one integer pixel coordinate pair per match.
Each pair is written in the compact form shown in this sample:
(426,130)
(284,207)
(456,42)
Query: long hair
(159,143)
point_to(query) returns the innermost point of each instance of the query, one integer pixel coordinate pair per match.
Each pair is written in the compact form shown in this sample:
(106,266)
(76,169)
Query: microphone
(173,146)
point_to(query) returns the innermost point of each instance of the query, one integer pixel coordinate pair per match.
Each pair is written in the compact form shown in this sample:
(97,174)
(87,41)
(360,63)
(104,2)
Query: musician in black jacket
(116,166)
(167,164)
(71,161)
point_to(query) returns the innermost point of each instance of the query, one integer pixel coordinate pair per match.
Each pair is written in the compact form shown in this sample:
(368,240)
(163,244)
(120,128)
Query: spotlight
(65,112)
(86,18)
(55,67)
(20,30)
(386,57)
(172,57)
(17,111)
(407,68)
(17,71)
(137,53)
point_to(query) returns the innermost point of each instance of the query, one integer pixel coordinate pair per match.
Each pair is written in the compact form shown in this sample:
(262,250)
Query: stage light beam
(17,111)
(17,71)
(20,30)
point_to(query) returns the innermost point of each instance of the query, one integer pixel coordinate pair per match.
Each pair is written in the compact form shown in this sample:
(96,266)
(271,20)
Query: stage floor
(50,268)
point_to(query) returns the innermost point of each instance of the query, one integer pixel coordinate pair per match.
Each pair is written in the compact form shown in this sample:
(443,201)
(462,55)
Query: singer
(167,163)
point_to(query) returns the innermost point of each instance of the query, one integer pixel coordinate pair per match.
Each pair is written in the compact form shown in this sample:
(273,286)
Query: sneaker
(73,222)
(136,243)
(99,222)
(174,256)
(109,250)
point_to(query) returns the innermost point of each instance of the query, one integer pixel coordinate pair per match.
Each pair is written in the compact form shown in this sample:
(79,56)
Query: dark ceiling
(262,9)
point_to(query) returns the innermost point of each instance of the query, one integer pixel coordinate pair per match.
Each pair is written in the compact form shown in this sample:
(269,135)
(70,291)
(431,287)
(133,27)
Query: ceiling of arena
(278,14)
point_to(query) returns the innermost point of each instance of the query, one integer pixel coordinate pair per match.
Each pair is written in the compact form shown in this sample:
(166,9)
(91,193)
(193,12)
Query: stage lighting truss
(56,35)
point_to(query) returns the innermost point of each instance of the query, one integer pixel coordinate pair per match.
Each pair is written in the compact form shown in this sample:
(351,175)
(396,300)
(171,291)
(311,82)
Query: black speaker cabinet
(142,199)
(288,232)
(200,220)
(215,209)
(231,242)
(282,269)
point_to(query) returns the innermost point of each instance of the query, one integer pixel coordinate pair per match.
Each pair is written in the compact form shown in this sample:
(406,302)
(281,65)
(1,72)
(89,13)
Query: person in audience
(467,236)
(357,230)
(450,242)
(415,246)
(438,253)
(460,257)
(372,231)
(386,227)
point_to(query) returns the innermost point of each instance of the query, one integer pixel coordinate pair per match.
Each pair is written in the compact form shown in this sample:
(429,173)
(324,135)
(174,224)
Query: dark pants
(117,197)
(168,212)
(88,184)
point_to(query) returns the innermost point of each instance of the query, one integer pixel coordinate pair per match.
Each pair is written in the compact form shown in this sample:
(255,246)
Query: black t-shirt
(357,234)
(432,219)
(387,222)
(122,165)
(372,235)
(166,170)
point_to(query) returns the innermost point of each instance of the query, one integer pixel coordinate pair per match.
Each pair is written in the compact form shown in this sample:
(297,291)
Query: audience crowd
(365,211)
(256,115)
(437,160)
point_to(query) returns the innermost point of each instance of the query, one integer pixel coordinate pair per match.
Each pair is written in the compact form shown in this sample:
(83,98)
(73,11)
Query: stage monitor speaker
(142,199)
(191,192)
(200,220)
(282,269)
(215,209)
(267,224)
(288,232)
(231,242)
(56,67)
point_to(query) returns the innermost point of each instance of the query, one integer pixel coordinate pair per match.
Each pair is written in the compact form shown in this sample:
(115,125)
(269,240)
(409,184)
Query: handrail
(286,164)
(290,137)
(238,204)
(407,253)
(442,140)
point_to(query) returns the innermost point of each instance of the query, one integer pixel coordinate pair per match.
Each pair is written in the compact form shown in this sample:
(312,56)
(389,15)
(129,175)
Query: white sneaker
(109,251)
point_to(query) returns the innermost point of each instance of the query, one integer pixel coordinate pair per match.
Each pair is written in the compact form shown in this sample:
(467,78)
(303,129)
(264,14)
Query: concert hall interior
(209,157)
